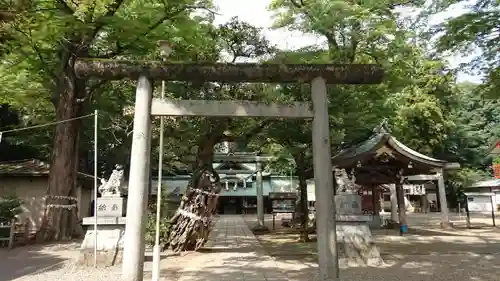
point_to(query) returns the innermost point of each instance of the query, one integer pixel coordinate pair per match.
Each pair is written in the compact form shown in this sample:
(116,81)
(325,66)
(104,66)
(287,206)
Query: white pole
(156,249)
(95,187)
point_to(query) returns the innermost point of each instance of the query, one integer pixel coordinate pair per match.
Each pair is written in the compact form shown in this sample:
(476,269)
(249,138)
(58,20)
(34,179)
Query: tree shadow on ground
(33,259)
(421,268)
(421,255)
(148,256)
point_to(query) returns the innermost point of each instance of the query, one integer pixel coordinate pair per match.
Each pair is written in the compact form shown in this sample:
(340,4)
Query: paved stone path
(232,253)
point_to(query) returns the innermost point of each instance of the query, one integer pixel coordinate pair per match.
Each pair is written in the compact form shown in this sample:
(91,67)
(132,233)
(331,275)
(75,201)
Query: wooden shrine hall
(382,160)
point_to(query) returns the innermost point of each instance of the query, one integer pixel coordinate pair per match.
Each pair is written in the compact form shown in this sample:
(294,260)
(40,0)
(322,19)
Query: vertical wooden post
(467,212)
(492,208)
(394,204)
(375,201)
(403,222)
(438,202)
(335,184)
(323,177)
(12,233)
(133,252)
(79,211)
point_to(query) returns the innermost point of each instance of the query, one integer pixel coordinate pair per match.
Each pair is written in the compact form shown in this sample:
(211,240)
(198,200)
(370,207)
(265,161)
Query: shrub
(496,160)
(10,206)
(168,208)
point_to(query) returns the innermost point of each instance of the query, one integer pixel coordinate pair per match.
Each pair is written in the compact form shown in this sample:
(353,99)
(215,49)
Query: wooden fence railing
(11,232)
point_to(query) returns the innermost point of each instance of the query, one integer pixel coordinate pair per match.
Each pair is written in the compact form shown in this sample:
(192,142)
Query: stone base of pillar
(390,224)
(110,231)
(375,223)
(260,229)
(446,225)
(105,258)
(355,245)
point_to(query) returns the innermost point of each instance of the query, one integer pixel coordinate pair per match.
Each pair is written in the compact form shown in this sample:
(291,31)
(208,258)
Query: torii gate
(145,71)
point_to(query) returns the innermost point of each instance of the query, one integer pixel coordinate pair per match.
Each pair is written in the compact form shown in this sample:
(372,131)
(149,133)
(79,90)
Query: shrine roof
(368,150)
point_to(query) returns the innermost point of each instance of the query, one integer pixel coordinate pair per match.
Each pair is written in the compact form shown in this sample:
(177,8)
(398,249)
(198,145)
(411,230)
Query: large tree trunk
(60,216)
(192,223)
(304,204)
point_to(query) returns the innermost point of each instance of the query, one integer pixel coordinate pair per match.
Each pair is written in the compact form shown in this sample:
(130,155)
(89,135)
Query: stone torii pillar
(137,199)
(259,186)
(445,219)
(323,177)
(316,74)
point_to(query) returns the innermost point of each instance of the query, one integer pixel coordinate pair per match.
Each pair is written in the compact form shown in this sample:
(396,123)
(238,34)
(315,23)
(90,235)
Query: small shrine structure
(382,160)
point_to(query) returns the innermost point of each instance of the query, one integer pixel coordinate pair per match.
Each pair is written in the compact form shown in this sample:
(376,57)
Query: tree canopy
(419,97)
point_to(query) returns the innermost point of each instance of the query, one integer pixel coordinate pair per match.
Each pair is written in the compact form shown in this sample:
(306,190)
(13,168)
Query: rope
(44,125)
(57,206)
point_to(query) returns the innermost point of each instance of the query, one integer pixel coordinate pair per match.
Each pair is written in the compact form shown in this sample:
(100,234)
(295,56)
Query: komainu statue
(345,183)
(114,186)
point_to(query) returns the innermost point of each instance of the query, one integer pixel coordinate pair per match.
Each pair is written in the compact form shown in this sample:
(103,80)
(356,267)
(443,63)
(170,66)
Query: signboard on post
(283,202)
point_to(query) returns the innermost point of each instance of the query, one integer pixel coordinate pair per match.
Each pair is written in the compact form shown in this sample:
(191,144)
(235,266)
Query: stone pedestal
(355,245)
(354,238)
(110,231)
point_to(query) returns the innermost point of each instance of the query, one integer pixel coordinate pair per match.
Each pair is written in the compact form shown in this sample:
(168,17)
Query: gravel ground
(68,271)
(49,262)
(465,255)
(429,255)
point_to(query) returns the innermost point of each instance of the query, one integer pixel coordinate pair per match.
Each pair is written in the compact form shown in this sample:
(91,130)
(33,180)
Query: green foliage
(413,95)
(496,160)
(419,120)
(419,96)
(358,31)
(168,208)
(10,206)
(151,228)
(467,176)
(458,182)
(475,29)
(125,30)
(475,127)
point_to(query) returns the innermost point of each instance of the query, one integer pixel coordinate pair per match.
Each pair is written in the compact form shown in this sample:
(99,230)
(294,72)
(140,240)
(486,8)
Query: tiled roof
(25,167)
(369,146)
